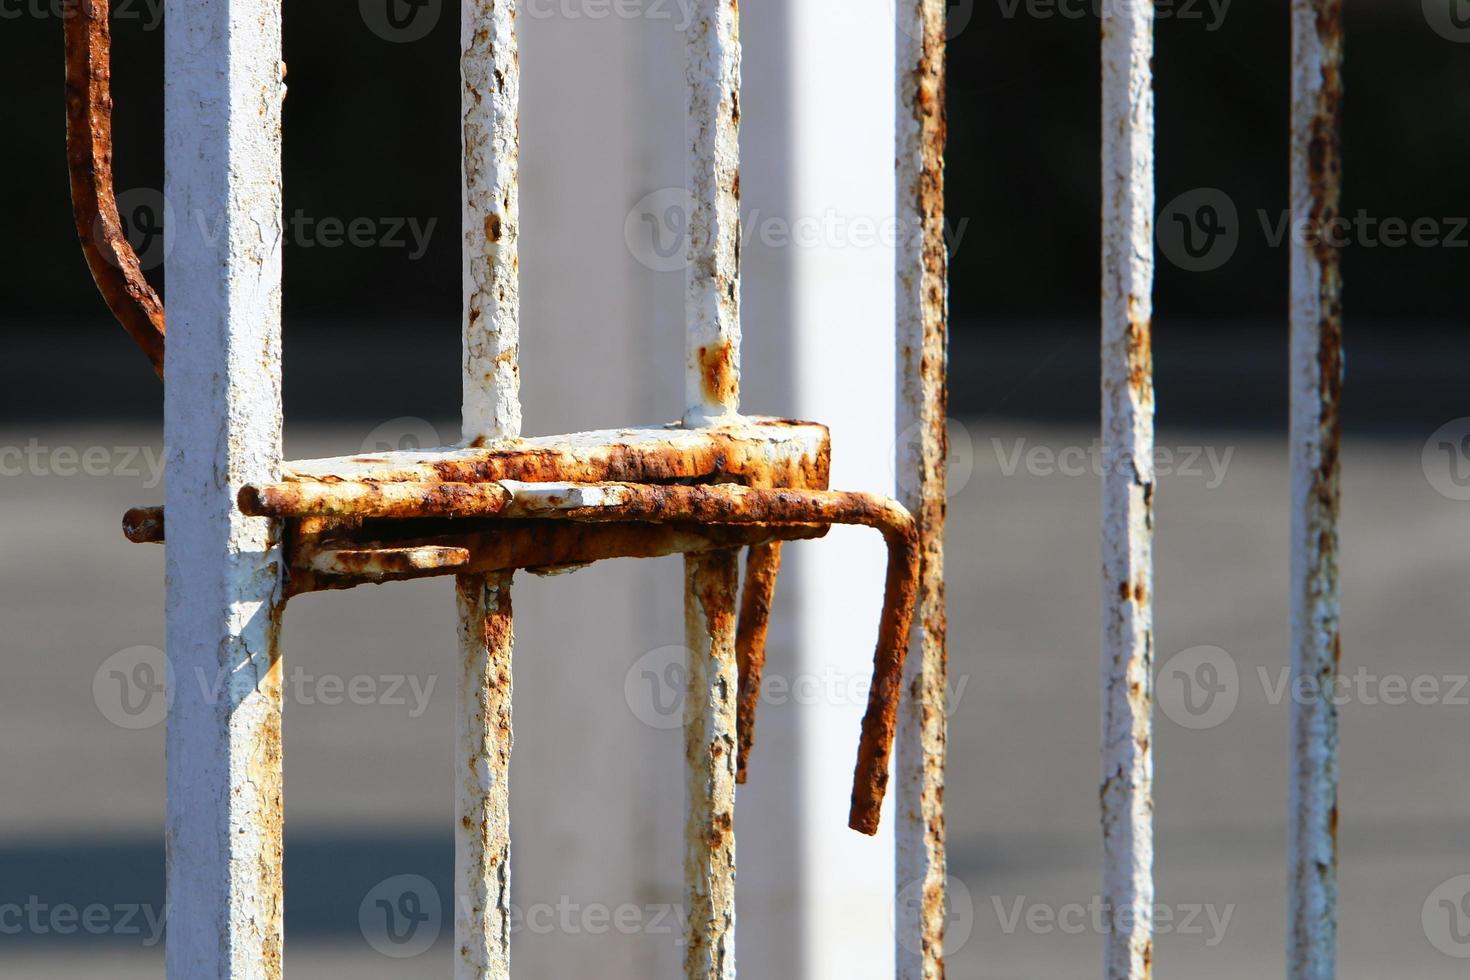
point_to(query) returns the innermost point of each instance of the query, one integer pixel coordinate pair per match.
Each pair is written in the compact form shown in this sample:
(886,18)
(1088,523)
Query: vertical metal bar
(482,737)
(1128,485)
(222,422)
(712,299)
(490,69)
(490,72)
(710,747)
(1316,432)
(712,391)
(922,312)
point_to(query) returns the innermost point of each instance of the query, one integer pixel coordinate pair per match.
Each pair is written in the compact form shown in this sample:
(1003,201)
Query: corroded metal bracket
(557,504)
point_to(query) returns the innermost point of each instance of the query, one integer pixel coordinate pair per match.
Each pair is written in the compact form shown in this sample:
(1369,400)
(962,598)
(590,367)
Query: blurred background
(372,351)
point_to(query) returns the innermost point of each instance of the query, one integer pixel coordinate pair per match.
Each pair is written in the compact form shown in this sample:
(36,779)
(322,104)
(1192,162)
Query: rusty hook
(110,257)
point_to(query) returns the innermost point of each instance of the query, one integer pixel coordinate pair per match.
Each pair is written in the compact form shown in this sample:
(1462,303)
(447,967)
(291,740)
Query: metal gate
(245,530)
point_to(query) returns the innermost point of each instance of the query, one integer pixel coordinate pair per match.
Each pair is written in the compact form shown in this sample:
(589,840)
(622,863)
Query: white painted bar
(1315,437)
(712,301)
(490,72)
(222,423)
(922,263)
(1127,510)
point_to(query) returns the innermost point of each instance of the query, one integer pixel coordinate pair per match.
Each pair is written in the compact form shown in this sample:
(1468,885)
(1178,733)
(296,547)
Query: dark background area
(371,130)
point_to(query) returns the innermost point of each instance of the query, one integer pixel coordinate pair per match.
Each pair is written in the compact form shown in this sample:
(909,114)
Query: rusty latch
(545,505)
(563,502)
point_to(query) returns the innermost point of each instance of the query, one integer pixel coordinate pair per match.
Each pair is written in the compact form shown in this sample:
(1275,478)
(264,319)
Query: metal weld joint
(561,503)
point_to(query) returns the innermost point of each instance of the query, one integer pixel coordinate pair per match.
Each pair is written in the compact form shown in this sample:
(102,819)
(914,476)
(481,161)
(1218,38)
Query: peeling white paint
(712,300)
(491,78)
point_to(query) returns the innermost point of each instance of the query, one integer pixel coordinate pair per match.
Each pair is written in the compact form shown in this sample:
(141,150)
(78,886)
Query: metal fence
(246,530)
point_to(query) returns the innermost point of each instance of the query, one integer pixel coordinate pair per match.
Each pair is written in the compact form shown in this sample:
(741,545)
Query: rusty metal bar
(538,546)
(762,566)
(1316,435)
(483,736)
(710,746)
(223,92)
(757,452)
(1128,488)
(361,499)
(110,257)
(712,299)
(922,312)
(712,395)
(490,144)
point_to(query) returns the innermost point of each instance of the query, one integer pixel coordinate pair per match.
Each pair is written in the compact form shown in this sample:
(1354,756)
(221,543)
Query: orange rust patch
(1140,349)
(719,379)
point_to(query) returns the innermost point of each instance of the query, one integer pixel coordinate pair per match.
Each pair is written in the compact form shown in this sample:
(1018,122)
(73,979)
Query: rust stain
(1140,350)
(718,377)
(110,257)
